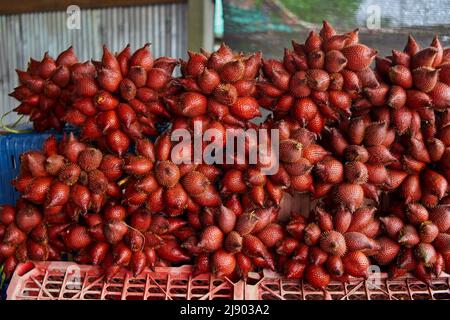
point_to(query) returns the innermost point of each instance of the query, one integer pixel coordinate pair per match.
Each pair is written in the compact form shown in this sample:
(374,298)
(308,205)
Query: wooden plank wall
(32,34)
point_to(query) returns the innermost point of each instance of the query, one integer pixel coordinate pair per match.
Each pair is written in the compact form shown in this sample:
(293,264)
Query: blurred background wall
(270,25)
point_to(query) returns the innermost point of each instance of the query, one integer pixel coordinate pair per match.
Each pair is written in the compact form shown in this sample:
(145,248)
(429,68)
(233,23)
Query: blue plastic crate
(11,147)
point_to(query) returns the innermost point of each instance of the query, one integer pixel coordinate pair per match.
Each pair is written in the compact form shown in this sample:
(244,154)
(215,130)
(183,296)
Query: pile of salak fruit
(355,130)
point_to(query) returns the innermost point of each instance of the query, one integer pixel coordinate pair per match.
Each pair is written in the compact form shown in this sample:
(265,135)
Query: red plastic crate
(69,281)
(271,286)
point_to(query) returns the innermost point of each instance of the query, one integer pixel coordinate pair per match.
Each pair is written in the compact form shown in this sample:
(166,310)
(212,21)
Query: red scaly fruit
(98,252)
(287,246)
(392,225)
(37,251)
(271,235)
(442,243)
(357,241)
(14,236)
(356,264)
(440,216)
(76,238)
(176,197)
(37,190)
(115,230)
(172,252)
(117,141)
(335,61)
(290,151)
(335,266)
(317,276)
(233,242)
(253,247)
(424,58)
(211,239)
(356,172)
(138,263)
(245,108)
(28,217)
(330,171)
(426,253)
(428,232)
(312,234)
(434,183)
(333,243)
(349,195)
(7,214)
(359,56)
(223,263)
(58,194)
(226,219)
(388,251)
(121,254)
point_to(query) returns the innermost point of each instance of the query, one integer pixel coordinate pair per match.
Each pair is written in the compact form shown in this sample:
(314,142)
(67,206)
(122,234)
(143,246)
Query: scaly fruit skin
(318,81)
(219,85)
(45,90)
(74,177)
(160,183)
(336,246)
(121,98)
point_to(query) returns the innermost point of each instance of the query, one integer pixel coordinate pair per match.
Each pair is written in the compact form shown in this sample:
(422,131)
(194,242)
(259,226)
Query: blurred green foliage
(340,12)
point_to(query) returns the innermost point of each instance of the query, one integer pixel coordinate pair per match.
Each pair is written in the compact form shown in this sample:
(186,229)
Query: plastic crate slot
(439,286)
(314,296)
(156,297)
(138,281)
(218,282)
(338,296)
(421,296)
(69,295)
(291,287)
(442,296)
(179,282)
(200,282)
(358,297)
(92,296)
(135,290)
(269,296)
(419,286)
(113,297)
(134,297)
(114,288)
(200,291)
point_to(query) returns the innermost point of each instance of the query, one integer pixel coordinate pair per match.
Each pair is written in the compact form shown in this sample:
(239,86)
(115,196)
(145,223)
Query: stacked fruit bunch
(332,245)
(232,242)
(347,134)
(415,239)
(122,99)
(414,82)
(298,153)
(160,181)
(360,163)
(68,177)
(45,89)
(318,81)
(27,234)
(220,84)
